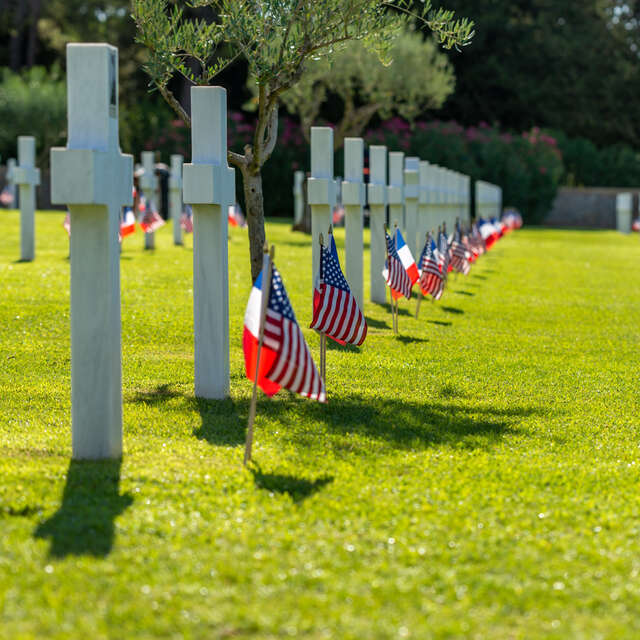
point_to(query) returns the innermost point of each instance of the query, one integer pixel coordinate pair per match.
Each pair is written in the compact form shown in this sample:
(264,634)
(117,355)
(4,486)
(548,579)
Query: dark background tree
(570,65)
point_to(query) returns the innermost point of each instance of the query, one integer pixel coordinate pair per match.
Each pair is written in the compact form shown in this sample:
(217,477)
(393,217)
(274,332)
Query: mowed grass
(476,476)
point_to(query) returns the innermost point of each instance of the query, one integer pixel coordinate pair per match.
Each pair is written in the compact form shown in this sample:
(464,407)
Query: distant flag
(335,310)
(151,219)
(394,272)
(636,225)
(444,255)
(128,223)
(459,254)
(186,220)
(285,360)
(406,258)
(488,232)
(67,224)
(235,217)
(6,197)
(431,279)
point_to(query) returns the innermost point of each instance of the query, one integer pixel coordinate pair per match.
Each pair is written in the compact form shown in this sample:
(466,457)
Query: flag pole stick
(267,262)
(323,336)
(395,228)
(391,306)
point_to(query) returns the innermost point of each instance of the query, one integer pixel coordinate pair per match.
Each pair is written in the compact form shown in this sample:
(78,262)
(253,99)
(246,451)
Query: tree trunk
(254,205)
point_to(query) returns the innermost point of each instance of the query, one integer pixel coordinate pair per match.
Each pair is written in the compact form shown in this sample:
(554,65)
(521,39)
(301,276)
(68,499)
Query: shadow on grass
(223,422)
(440,323)
(410,339)
(452,310)
(400,424)
(160,394)
(91,501)
(332,345)
(464,293)
(477,276)
(297,488)
(377,324)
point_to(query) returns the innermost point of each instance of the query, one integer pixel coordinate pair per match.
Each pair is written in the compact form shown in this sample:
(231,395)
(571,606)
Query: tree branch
(174,104)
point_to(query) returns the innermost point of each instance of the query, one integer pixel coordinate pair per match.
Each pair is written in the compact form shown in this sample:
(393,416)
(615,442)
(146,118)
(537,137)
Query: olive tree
(419,78)
(278,39)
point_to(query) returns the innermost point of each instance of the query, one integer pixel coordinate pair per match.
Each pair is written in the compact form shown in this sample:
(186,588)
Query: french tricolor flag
(250,339)
(406,258)
(128,224)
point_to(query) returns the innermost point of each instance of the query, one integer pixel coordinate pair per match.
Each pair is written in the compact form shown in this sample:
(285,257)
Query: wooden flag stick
(391,306)
(267,262)
(323,336)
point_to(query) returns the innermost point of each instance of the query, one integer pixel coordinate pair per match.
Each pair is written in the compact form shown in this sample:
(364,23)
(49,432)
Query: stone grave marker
(395,190)
(321,190)
(298,197)
(377,197)
(411,197)
(27,177)
(149,186)
(175,196)
(353,200)
(94,179)
(209,187)
(624,209)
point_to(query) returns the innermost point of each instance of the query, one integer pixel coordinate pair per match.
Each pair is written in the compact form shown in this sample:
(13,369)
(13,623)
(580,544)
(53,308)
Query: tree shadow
(440,323)
(91,501)
(477,276)
(452,310)
(464,293)
(296,487)
(402,424)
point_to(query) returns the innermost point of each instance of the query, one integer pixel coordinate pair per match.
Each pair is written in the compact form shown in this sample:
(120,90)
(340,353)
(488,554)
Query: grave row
(94,179)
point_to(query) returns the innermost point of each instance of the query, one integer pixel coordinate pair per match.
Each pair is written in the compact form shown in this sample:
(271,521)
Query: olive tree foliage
(419,78)
(278,39)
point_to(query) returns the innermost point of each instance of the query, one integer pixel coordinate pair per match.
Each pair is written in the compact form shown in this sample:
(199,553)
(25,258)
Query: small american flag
(335,310)
(285,360)
(394,273)
(67,224)
(459,253)
(444,255)
(186,221)
(150,220)
(431,280)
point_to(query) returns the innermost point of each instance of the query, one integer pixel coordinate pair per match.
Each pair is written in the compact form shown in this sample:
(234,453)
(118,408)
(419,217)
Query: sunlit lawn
(477,476)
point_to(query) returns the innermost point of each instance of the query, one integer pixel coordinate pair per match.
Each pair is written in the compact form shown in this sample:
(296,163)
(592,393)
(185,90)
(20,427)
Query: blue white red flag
(128,223)
(406,258)
(394,273)
(285,360)
(335,311)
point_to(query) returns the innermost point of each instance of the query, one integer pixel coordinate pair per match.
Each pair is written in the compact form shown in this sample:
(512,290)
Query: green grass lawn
(477,476)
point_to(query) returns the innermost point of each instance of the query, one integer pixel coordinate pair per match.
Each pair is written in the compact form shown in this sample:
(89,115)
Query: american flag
(459,254)
(67,224)
(394,273)
(431,281)
(186,221)
(335,310)
(444,256)
(285,360)
(151,219)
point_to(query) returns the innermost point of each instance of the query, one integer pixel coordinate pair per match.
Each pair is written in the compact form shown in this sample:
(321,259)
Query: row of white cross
(420,196)
(94,179)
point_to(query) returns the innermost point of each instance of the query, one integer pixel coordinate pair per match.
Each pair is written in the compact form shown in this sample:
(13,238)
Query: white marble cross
(395,190)
(411,197)
(353,200)
(149,186)
(27,177)
(377,197)
(209,187)
(423,223)
(175,196)
(466,199)
(321,190)
(298,199)
(95,180)
(624,206)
